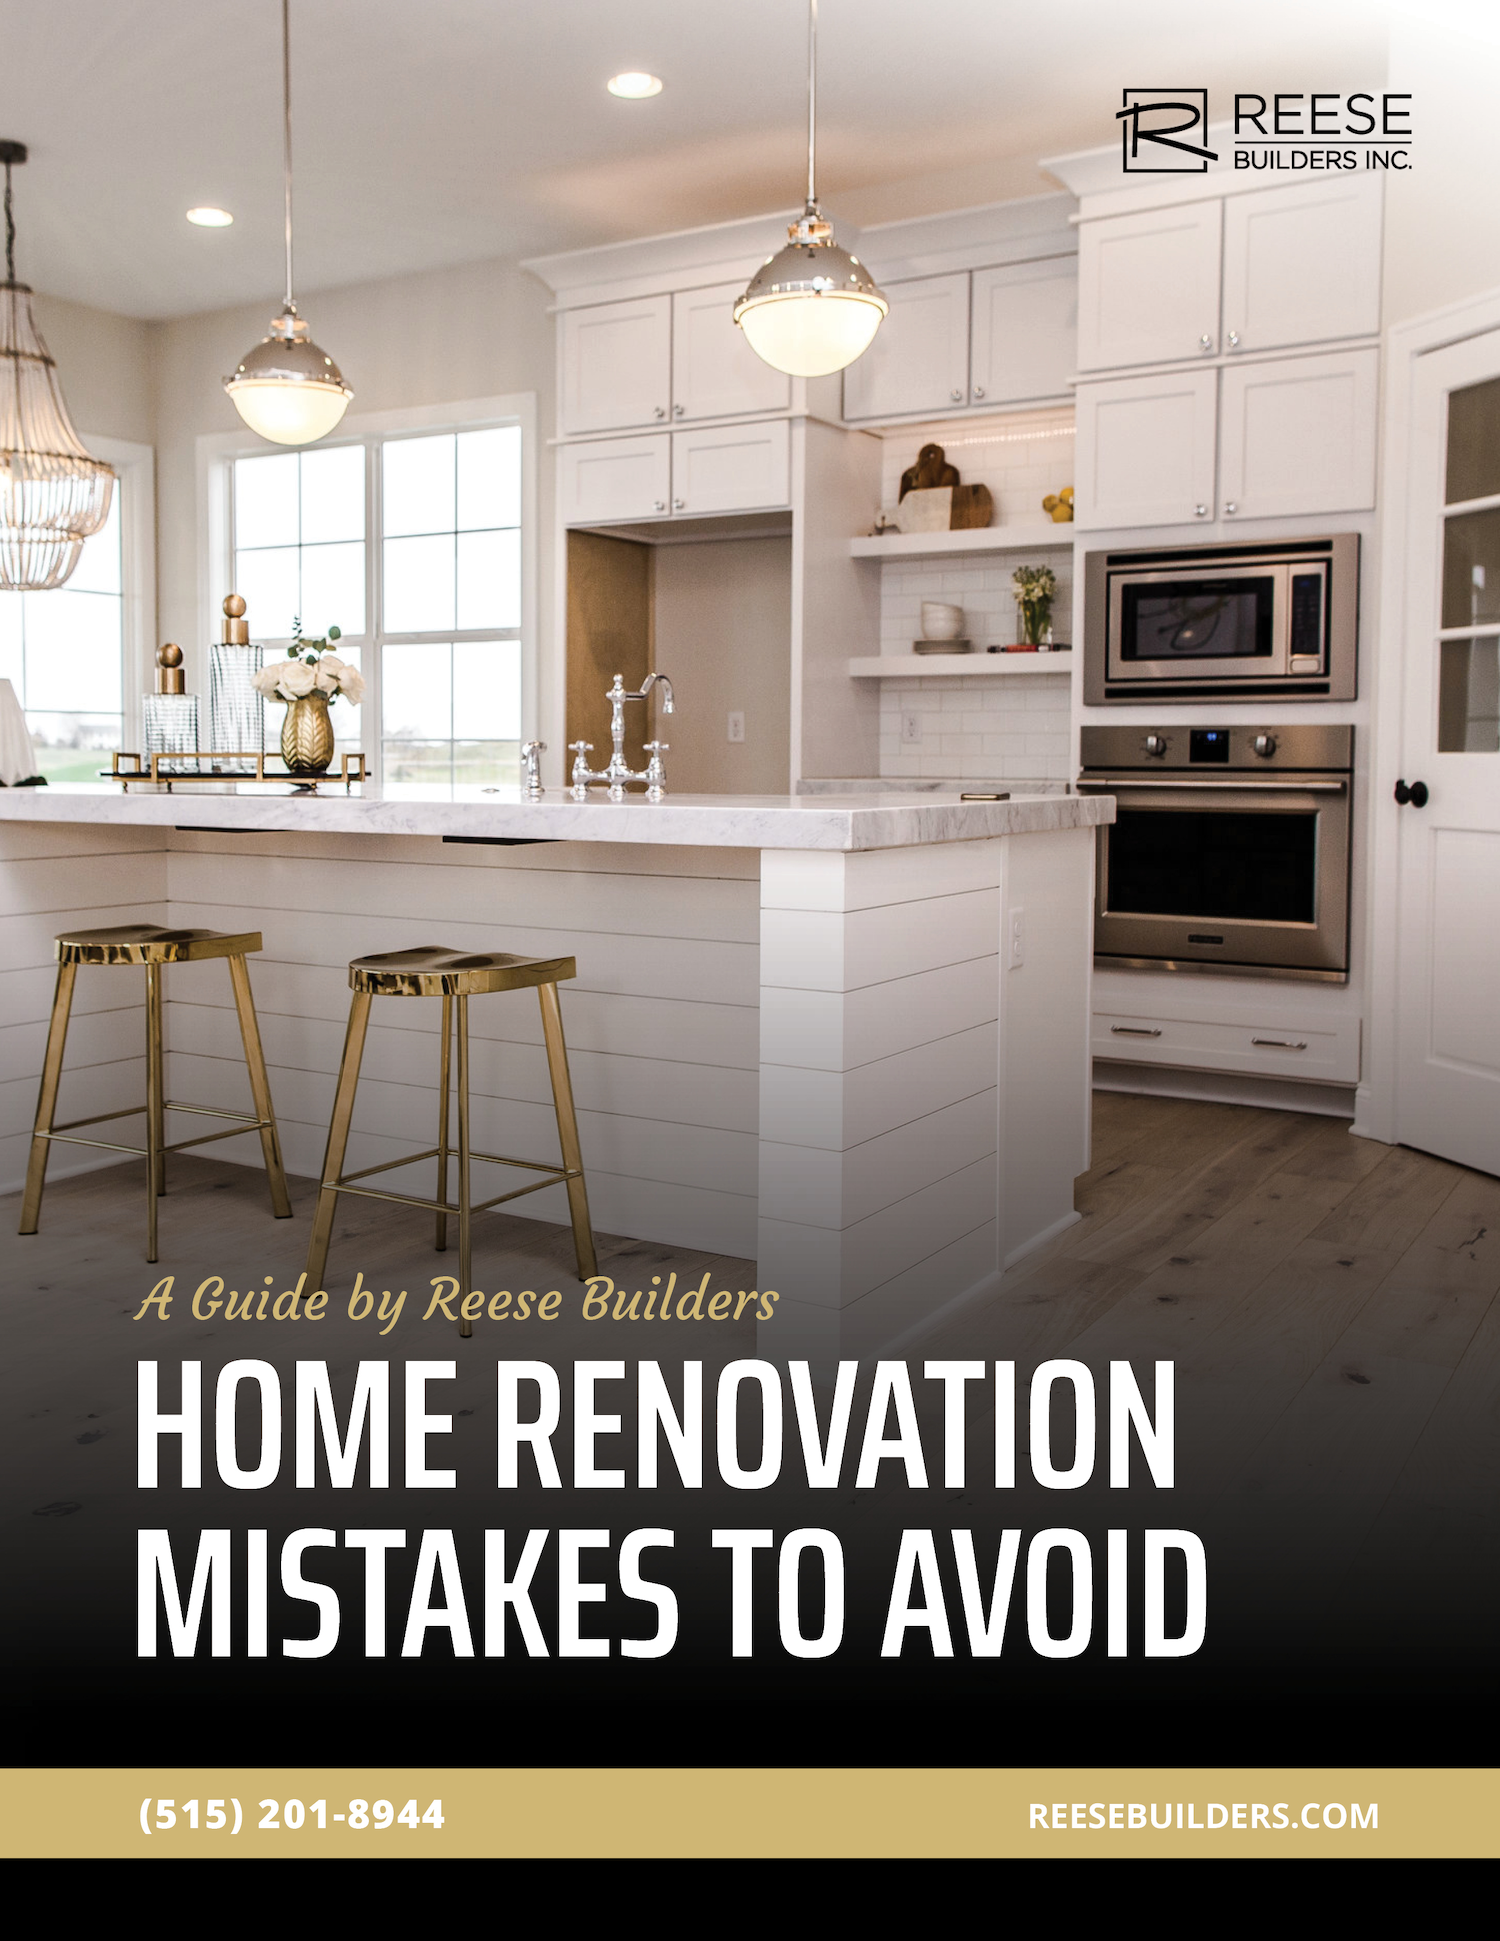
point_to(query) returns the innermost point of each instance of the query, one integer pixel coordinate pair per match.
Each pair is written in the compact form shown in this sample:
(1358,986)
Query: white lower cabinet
(731,468)
(1146,449)
(722,468)
(615,478)
(1269,439)
(1286,1043)
(1298,435)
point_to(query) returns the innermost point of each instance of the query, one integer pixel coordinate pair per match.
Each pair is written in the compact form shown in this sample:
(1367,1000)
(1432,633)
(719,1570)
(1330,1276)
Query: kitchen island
(846,1037)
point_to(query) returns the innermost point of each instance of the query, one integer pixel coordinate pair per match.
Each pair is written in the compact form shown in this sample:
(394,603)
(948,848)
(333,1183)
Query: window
(411,542)
(75,656)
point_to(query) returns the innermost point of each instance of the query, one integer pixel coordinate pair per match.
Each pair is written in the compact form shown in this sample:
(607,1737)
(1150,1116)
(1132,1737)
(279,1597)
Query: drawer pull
(1136,1030)
(1282,1044)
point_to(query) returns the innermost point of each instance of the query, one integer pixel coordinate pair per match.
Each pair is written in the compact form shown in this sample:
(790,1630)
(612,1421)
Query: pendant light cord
(10,230)
(286,98)
(812,102)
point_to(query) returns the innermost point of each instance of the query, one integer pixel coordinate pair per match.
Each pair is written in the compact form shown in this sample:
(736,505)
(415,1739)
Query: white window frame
(217,452)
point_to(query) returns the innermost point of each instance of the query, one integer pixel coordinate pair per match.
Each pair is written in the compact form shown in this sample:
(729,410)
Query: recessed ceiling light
(210,218)
(634,87)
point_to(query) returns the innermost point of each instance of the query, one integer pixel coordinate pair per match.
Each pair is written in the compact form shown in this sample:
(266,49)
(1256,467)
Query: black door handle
(1416,794)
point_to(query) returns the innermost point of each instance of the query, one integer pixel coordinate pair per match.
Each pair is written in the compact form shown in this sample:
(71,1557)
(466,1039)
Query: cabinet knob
(979,390)
(1230,507)
(679,410)
(661,411)
(661,505)
(1205,342)
(679,505)
(957,396)
(1233,340)
(1200,511)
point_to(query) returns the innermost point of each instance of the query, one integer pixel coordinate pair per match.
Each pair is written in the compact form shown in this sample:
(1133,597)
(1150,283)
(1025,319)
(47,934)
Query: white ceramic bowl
(941,621)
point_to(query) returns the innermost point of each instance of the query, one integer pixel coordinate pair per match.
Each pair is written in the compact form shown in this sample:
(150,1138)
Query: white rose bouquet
(309,666)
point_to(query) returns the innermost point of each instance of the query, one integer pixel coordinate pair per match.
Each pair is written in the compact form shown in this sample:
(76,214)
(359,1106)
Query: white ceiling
(436,132)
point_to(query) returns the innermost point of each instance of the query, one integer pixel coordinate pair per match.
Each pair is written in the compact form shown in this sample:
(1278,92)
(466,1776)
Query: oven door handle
(1266,788)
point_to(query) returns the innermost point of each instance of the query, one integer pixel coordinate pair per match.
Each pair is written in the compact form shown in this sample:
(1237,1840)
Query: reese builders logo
(1164,131)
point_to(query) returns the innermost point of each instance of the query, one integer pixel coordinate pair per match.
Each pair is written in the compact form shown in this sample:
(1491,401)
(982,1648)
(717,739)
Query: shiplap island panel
(796,1031)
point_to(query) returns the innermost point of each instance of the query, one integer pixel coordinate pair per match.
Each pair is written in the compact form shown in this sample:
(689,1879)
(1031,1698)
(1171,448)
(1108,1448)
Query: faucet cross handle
(656,774)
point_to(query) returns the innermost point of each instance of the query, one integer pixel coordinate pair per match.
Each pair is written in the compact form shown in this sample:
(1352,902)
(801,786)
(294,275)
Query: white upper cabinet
(715,374)
(1297,434)
(919,360)
(614,479)
(616,365)
(1146,450)
(1148,286)
(1024,332)
(1302,265)
(731,468)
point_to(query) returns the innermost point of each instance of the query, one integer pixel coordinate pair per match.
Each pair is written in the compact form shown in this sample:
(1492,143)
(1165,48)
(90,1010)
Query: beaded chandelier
(53,496)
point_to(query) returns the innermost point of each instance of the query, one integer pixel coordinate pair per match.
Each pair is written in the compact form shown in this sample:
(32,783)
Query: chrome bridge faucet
(654,775)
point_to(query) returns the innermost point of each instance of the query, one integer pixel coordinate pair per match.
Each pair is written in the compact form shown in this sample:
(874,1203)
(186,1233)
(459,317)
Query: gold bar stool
(150,945)
(455,976)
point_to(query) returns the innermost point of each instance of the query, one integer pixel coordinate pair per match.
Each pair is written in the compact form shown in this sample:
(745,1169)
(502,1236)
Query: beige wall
(1442,238)
(723,636)
(104,365)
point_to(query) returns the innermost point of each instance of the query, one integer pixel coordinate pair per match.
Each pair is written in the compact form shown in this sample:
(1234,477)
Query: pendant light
(288,389)
(811,308)
(53,496)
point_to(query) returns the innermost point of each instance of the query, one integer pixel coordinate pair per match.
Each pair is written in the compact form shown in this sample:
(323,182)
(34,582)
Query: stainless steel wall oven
(1230,850)
(1280,618)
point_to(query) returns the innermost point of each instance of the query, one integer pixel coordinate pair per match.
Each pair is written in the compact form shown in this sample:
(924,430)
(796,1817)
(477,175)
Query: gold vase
(307,735)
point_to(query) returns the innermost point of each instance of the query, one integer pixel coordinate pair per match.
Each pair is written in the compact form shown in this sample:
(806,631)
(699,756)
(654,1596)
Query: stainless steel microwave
(1274,619)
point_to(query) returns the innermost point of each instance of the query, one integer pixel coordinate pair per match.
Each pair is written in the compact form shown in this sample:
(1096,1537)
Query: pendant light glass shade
(812,308)
(287,389)
(53,496)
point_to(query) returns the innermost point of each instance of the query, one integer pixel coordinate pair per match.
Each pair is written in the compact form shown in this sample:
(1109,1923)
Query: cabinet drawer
(715,374)
(616,365)
(1292,1046)
(919,360)
(1148,286)
(731,468)
(1298,435)
(615,478)
(1146,450)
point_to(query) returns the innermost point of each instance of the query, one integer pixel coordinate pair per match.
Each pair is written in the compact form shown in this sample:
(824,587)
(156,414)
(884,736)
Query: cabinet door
(616,361)
(919,360)
(715,374)
(1146,451)
(614,478)
(1298,435)
(1025,331)
(1302,265)
(733,468)
(1148,286)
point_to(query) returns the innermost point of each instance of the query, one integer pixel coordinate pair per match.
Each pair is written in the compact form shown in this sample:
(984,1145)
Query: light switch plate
(911,730)
(1017,955)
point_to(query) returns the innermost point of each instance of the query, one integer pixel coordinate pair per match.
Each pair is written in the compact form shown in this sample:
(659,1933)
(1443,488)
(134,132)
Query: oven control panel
(1308,747)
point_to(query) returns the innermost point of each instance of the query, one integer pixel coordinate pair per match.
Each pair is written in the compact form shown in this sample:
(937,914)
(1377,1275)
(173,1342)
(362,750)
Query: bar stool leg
(156,1041)
(465,1237)
(567,1130)
(443,1116)
(260,1088)
(338,1136)
(156,1163)
(46,1103)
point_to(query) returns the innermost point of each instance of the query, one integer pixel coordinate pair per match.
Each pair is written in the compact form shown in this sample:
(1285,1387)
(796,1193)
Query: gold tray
(352,768)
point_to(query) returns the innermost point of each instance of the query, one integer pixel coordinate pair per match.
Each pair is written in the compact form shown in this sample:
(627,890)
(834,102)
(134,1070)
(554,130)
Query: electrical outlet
(1017,939)
(911,730)
(736,724)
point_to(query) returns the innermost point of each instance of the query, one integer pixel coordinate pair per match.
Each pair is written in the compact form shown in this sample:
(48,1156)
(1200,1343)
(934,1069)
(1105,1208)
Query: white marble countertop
(838,822)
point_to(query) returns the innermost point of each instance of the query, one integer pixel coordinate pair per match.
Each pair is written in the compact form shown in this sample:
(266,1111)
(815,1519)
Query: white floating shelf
(973,539)
(881,667)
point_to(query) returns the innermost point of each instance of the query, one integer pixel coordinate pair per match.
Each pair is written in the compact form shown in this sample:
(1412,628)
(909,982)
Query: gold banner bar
(419,1813)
